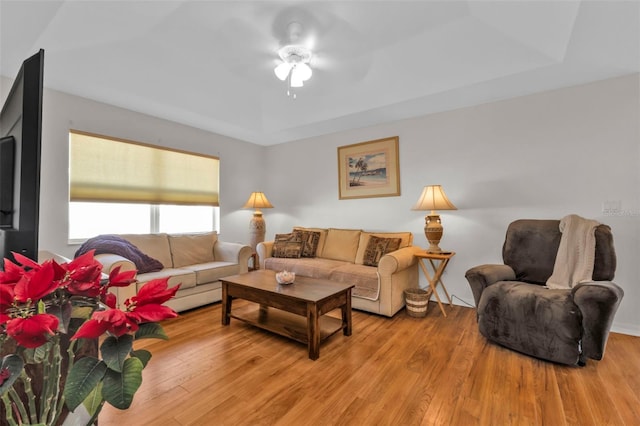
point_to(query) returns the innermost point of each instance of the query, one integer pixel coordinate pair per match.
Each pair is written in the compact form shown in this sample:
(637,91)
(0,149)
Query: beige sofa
(340,256)
(196,261)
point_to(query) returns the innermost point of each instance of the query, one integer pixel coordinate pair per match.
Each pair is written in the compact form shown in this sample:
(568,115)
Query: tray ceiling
(209,64)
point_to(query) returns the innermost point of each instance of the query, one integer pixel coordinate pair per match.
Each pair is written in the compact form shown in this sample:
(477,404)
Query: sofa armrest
(397,260)
(233,252)
(598,302)
(481,277)
(110,261)
(264,250)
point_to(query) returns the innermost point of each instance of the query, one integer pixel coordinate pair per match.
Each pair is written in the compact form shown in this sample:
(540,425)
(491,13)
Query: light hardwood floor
(398,371)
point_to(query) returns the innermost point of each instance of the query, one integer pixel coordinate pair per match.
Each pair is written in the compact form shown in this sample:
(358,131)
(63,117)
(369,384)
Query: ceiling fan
(295,56)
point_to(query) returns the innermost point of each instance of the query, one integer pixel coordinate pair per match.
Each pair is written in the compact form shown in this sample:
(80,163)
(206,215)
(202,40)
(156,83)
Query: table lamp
(433,198)
(257,226)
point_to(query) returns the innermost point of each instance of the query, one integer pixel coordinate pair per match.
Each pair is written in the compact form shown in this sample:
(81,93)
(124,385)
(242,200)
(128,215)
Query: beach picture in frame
(369,169)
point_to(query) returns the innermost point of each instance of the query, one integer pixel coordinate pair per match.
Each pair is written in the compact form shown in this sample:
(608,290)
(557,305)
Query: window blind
(113,170)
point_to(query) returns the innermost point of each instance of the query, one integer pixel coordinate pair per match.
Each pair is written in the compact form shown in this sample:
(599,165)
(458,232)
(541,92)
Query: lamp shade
(433,198)
(257,200)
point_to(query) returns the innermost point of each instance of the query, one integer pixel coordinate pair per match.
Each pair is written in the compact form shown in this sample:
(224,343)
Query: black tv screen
(21,132)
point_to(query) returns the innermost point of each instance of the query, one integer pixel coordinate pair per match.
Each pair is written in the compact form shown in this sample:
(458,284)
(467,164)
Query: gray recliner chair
(517,311)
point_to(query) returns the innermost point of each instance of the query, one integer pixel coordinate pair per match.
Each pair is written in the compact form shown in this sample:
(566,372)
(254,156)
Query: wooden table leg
(433,282)
(313,331)
(347,323)
(226,304)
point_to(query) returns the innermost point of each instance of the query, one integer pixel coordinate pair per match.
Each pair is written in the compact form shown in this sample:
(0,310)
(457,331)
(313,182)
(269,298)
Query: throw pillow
(310,240)
(192,249)
(377,248)
(287,245)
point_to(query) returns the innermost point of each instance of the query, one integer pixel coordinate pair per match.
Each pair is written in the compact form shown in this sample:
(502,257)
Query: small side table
(438,262)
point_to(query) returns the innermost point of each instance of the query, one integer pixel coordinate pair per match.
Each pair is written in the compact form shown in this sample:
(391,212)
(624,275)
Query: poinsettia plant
(48,311)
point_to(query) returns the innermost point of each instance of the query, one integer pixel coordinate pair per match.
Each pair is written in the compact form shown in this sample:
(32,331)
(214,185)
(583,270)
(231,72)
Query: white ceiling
(209,64)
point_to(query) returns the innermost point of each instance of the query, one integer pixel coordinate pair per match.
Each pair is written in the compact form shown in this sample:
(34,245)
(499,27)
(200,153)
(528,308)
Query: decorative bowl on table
(285,277)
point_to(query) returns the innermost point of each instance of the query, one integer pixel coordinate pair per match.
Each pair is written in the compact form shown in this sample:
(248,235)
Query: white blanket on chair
(576,253)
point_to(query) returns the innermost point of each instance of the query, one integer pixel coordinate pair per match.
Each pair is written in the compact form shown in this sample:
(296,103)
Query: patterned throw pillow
(310,240)
(287,245)
(377,248)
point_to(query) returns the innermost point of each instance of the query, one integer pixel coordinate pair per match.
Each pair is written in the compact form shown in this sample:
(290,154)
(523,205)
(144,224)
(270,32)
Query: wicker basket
(417,301)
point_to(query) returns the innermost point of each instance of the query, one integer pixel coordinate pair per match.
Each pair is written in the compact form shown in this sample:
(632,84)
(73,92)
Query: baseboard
(625,328)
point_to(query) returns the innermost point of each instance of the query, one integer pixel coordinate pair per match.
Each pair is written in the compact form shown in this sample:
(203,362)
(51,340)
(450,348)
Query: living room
(541,154)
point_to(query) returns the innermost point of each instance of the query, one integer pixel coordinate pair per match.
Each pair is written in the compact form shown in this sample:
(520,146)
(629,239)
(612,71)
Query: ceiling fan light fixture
(295,80)
(282,70)
(295,67)
(303,71)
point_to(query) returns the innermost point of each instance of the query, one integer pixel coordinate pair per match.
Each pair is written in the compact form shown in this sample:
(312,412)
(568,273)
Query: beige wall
(539,156)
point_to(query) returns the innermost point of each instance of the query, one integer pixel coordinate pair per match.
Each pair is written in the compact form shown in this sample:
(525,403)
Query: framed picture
(369,169)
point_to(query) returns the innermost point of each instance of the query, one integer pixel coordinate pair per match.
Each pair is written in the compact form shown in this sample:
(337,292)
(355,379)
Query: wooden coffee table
(296,311)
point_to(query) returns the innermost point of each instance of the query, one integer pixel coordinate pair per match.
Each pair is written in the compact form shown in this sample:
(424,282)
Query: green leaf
(93,401)
(119,388)
(143,355)
(115,350)
(151,330)
(14,364)
(84,376)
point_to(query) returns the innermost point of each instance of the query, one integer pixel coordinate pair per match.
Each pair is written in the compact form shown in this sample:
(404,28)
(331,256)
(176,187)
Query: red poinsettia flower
(36,284)
(155,292)
(109,299)
(33,331)
(83,275)
(25,261)
(6,296)
(12,273)
(145,307)
(116,279)
(121,279)
(114,321)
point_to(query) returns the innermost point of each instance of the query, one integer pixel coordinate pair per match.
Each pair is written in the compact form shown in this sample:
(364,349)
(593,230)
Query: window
(123,187)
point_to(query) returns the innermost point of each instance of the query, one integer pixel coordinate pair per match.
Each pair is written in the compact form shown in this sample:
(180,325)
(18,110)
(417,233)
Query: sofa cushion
(287,245)
(213,271)
(310,240)
(341,244)
(323,236)
(364,278)
(532,319)
(406,239)
(192,249)
(176,276)
(154,245)
(378,247)
(306,267)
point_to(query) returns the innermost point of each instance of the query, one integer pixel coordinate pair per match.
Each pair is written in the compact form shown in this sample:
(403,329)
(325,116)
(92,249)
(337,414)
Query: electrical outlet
(611,207)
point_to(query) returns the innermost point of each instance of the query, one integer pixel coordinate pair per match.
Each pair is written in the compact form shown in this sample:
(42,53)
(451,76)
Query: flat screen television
(20,141)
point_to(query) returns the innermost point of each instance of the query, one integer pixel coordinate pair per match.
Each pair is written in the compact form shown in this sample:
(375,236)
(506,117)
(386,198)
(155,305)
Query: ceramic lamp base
(257,230)
(433,232)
